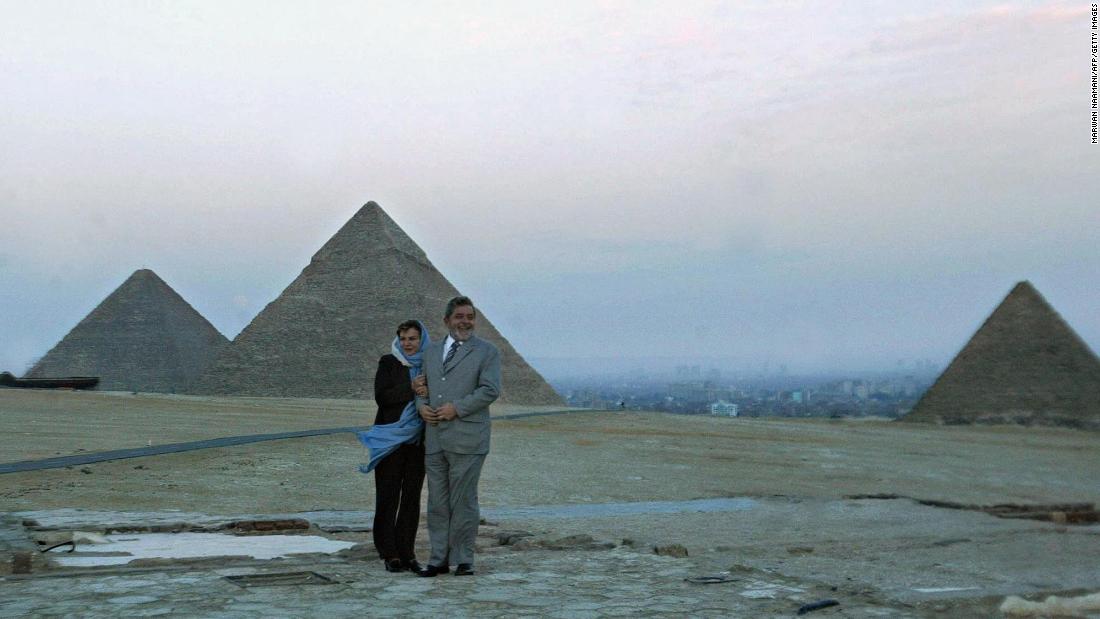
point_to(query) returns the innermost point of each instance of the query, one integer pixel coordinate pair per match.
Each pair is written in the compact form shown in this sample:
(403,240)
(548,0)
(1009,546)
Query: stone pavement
(878,558)
(571,577)
(564,584)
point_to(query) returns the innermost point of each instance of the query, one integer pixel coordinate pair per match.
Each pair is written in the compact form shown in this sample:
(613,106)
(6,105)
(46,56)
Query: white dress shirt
(447,346)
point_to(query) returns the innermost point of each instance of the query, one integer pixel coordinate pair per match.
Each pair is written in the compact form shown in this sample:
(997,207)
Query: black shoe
(432,571)
(464,569)
(394,565)
(412,565)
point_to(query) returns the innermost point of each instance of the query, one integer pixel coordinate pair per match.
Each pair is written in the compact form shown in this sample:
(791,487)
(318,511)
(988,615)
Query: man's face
(461,322)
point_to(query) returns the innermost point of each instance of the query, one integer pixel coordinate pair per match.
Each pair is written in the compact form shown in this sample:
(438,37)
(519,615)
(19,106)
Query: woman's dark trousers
(398,479)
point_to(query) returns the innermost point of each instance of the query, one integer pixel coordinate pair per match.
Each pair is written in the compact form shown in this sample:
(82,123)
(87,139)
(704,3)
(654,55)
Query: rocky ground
(883,517)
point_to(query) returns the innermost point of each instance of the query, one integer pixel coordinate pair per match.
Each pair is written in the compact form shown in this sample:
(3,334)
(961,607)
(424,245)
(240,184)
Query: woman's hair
(409,324)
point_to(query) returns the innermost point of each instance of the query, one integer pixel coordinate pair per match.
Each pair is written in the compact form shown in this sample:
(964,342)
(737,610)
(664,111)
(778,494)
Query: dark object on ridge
(7,379)
(812,606)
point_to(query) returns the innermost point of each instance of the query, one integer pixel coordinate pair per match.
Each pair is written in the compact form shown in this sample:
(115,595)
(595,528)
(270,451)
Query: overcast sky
(826,184)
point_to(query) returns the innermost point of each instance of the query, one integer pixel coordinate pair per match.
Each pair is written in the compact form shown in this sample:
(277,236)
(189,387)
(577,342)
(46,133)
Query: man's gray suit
(455,450)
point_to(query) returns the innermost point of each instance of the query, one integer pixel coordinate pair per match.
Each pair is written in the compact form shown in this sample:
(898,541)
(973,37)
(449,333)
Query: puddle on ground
(123,548)
(620,509)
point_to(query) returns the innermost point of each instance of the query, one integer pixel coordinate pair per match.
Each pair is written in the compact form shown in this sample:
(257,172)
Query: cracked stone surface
(614,583)
(913,574)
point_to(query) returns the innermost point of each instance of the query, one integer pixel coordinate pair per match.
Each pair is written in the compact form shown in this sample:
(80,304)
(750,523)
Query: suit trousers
(398,479)
(453,513)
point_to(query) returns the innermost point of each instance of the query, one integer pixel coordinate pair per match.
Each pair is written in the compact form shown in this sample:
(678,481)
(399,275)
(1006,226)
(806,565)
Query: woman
(397,449)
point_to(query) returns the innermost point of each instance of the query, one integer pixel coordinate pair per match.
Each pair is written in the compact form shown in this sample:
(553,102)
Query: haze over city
(825,186)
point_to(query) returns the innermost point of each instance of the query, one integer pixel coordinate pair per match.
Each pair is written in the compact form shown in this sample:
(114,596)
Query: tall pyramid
(1024,365)
(323,335)
(142,337)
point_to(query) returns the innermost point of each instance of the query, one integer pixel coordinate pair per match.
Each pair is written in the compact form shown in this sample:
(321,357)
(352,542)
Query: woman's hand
(420,386)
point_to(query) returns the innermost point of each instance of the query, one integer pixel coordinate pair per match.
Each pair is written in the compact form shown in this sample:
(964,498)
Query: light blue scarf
(381,440)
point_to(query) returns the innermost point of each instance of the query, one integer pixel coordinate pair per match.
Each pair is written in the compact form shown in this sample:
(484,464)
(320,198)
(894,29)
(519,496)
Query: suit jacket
(392,389)
(471,381)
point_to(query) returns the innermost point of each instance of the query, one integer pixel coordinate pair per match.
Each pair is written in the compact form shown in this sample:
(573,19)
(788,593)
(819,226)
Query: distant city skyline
(828,186)
(578,368)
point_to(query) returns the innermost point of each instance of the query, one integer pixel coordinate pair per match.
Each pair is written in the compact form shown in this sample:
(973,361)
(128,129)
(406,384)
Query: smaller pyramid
(1024,365)
(142,337)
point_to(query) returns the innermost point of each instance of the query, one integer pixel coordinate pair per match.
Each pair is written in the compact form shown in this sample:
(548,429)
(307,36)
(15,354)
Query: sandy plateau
(876,515)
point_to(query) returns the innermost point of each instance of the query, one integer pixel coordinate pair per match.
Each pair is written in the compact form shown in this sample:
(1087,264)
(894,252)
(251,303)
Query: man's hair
(458,302)
(409,324)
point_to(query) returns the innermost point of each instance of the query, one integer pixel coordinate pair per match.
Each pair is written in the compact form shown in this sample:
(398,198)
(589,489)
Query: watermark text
(1093,36)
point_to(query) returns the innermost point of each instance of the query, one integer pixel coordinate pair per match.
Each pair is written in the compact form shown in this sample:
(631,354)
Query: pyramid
(142,337)
(323,336)
(1024,365)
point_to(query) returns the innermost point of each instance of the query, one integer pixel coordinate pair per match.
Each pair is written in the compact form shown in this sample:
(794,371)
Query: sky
(826,185)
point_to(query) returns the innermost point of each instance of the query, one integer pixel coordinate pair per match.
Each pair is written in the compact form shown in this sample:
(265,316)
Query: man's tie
(451,353)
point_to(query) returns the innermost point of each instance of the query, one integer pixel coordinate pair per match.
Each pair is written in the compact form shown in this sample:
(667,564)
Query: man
(463,373)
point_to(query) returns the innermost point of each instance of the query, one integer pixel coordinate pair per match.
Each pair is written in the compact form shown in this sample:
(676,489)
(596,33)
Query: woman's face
(410,341)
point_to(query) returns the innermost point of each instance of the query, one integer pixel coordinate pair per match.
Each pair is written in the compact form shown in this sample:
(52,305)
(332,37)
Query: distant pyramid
(142,337)
(323,335)
(1024,365)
